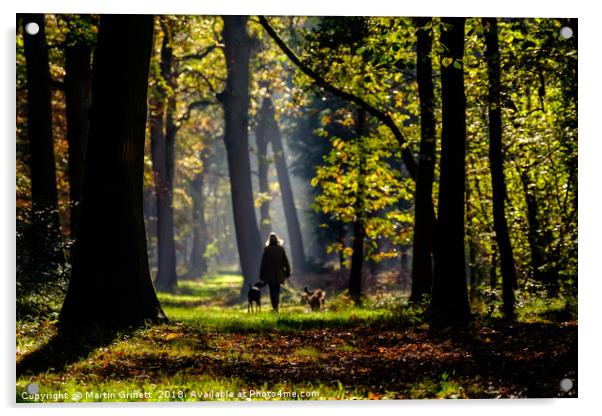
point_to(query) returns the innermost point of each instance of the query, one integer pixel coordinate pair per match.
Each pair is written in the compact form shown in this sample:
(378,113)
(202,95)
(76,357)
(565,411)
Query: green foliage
(358,182)
(40,285)
(539,141)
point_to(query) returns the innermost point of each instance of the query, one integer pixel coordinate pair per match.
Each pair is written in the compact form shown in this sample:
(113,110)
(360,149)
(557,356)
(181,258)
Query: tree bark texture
(263,163)
(235,99)
(286,190)
(78,97)
(449,303)
(200,234)
(162,151)
(422,263)
(45,232)
(111,282)
(496,161)
(359,233)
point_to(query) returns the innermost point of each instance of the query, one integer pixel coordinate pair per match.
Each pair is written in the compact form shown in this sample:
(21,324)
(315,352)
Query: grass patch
(212,349)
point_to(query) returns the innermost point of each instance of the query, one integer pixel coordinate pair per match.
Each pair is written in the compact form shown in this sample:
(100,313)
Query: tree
(200,232)
(263,162)
(324,85)
(449,303)
(78,96)
(422,269)
(496,160)
(111,281)
(359,232)
(235,99)
(163,132)
(45,234)
(309,150)
(286,190)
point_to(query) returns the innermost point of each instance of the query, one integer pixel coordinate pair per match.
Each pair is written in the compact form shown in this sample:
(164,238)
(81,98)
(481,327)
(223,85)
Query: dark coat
(275,267)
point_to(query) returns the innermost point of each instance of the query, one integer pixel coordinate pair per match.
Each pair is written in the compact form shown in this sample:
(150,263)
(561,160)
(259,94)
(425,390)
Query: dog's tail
(308,292)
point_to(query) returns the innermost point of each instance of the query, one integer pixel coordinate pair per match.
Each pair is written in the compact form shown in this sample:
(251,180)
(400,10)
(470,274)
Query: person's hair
(274,239)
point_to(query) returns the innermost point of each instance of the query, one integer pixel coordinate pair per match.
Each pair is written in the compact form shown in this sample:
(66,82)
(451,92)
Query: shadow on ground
(67,346)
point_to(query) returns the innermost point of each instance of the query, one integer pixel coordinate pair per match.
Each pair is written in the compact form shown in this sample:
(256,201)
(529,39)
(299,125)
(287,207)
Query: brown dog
(314,299)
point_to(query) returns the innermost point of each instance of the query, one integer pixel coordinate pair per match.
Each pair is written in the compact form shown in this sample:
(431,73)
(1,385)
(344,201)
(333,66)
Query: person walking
(275,268)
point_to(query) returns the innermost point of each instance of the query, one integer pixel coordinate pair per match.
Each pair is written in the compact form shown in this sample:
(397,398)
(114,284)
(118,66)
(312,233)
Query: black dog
(254,296)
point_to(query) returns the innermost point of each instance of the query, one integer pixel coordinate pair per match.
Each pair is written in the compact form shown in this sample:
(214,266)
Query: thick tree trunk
(496,161)
(111,282)
(45,231)
(235,99)
(359,233)
(262,141)
(200,234)
(162,152)
(422,264)
(449,304)
(286,190)
(78,96)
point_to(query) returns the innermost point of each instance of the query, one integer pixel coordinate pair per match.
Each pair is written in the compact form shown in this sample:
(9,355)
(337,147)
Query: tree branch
(195,105)
(406,153)
(199,56)
(209,84)
(204,78)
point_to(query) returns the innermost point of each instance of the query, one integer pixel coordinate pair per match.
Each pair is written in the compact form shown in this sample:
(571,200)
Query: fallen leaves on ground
(492,360)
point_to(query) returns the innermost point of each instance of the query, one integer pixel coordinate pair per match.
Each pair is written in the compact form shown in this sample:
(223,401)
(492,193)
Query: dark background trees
(496,160)
(162,138)
(286,190)
(44,235)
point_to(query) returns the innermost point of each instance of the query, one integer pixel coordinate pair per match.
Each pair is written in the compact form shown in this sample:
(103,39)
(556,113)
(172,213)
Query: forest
(420,173)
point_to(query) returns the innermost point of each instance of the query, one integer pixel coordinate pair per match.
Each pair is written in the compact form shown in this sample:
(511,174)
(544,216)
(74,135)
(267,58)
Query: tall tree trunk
(162,151)
(341,231)
(472,249)
(405,262)
(359,232)
(200,234)
(286,190)
(496,161)
(235,99)
(78,96)
(111,282)
(449,304)
(262,140)
(45,232)
(536,247)
(422,264)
